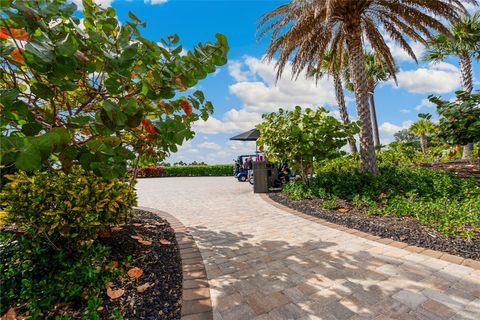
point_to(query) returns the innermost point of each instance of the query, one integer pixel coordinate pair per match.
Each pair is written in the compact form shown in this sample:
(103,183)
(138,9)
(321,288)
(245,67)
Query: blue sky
(245,88)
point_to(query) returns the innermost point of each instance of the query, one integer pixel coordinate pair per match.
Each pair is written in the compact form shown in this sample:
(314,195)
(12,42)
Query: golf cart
(243,167)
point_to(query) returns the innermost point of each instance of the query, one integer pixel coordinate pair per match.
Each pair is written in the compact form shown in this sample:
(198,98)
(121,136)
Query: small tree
(94,92)
(460,119)
(422,129)
(302,137)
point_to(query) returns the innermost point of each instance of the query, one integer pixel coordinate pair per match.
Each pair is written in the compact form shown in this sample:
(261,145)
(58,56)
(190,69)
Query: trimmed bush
(64,209)
(185,171)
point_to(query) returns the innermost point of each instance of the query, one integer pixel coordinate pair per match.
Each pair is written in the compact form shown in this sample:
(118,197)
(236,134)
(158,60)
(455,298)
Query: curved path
(265,263)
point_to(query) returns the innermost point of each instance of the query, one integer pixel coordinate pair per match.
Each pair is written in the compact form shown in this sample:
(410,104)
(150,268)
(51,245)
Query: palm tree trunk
(356,61)
(423,143)
(376,135)
(337,81)
(467,84)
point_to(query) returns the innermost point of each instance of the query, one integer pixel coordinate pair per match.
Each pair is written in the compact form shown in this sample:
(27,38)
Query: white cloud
(101,3)
(424,104)
(209,145)
(260,93)
(435,78)
(401,55)
(155,1)
(234,69)
(405,110)
(389,128)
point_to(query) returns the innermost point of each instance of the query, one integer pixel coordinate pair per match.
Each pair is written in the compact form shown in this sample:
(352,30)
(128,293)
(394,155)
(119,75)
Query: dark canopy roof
(251,135)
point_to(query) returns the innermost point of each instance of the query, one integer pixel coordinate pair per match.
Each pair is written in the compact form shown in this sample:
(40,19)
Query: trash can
(263,176)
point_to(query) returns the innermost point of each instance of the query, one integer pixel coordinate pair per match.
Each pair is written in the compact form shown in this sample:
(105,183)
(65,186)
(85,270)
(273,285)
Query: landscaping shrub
(39,277)
(64,209)
(440,199)
(199,171)
(185,171)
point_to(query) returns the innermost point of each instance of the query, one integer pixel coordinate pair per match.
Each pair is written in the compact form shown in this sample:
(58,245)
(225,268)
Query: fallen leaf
(150,226)
(114,294)
(113,265)
(343,210)
(382,196)
(145,242)
(165,241)
(143,287)
(135,273)
(137,224)
(115,229)
(10,315)
(100,308)
(136,237)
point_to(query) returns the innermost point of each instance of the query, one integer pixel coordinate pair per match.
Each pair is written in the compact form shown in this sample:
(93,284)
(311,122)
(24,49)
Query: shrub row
(185,171)
(440,199)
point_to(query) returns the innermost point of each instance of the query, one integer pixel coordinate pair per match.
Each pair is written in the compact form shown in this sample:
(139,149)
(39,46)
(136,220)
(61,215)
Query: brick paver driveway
(265,263)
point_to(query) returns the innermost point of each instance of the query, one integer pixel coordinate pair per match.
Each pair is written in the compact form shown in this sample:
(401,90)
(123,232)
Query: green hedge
(185,171)
(198,171)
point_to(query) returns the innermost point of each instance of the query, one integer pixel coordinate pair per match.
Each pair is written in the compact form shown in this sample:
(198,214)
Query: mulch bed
(464,168)
(405,229)
(161,265)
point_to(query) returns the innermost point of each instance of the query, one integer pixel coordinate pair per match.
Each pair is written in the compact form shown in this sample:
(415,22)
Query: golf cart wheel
(242,178)
(251,180)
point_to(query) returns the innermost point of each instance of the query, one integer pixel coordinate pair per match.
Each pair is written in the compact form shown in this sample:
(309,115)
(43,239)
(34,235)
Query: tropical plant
(300,137)
(459,119)
(93,91)
(308,29)
(422,129)
(465,45)
(333,66)
(62,210)
(377,71)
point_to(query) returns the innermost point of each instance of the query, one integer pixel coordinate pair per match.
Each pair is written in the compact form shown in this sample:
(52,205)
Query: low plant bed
(403,229)
(464,168)
(136,274)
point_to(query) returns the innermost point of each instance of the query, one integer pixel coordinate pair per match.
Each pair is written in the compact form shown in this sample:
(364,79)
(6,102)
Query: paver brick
(253,250)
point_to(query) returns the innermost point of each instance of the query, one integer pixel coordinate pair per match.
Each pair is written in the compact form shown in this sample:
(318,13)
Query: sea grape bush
(93,91)
(301,137)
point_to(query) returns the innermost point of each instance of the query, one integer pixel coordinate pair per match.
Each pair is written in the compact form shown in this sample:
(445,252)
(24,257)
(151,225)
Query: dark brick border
(474,264)
(196,302)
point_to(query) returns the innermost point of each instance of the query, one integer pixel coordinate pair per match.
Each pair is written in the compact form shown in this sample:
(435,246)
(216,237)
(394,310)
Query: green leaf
(67,47)
(31,128)
(42,90)
(29,158)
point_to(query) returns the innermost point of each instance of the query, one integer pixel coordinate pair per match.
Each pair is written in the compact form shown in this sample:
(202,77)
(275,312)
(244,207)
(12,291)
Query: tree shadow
(316,280)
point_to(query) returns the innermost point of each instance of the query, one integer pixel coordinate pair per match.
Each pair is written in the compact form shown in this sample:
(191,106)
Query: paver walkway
(265,263)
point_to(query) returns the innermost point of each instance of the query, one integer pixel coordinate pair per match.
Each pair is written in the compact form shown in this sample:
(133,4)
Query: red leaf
(18,34)
(187,108)
(17,56)
(149,127)
(114,294)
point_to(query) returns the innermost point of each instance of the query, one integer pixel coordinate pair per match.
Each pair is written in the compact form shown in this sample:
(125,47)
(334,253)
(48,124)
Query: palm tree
(307,29)
(422,129)
(377,72)
(332,66)
(464,44)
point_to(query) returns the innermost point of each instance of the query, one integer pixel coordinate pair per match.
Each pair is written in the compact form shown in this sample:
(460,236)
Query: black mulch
(406,229)
(160,263)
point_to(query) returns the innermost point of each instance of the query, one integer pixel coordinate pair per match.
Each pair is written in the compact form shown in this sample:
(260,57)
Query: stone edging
(196,302)
(474,264)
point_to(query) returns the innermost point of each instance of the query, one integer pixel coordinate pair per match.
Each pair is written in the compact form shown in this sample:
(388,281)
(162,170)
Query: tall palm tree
(332,66)
(422,129)
(465,45)
(377,71)
(306,29)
